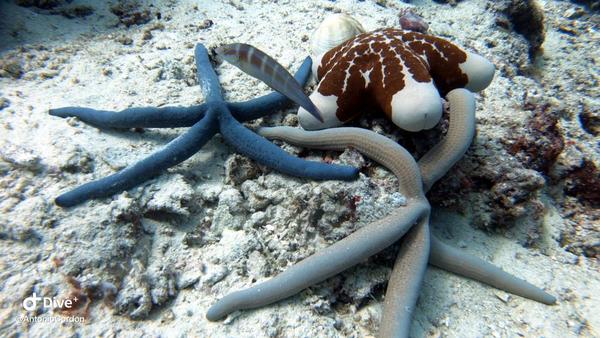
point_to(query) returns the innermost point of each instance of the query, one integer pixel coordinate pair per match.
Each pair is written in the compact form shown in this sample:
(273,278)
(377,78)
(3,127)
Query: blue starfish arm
(265,105)
(174,153)
(139,117)
(266,153)
(177,117)
(207,78)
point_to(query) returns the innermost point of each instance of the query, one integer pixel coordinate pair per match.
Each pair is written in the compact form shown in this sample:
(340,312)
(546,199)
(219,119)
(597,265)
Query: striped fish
(256,63)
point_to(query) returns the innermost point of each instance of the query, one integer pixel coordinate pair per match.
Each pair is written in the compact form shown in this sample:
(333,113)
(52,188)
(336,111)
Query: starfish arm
(176,117)
(461,263)
(434,164)
(357,246)
(377,147)
(138,117)
(405,282)
(334,259)
(437,161)
(270,103)
(207,78)
(266,153)
(174,153)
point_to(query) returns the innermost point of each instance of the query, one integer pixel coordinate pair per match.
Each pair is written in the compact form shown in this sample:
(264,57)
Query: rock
(173,197)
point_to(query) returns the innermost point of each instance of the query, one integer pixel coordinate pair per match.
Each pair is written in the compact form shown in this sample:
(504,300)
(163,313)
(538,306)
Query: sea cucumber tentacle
(266,153)
(451,259)
(174,153)
(377,147)
(407,275)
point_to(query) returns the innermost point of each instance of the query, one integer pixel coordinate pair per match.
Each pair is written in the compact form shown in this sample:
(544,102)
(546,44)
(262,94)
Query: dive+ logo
(30,303)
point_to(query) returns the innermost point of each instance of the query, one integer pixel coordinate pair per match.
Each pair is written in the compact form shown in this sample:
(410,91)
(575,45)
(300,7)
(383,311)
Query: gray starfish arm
(266,153)
(403,288)
(377,147)
(332,260)
(451,259)
(357,246)
(434,165)
(437,161)
(174,153)
(406,276)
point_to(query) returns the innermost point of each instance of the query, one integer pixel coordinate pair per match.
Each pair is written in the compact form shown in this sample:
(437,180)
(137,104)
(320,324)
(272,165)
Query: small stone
(209,193)
(11,68)
(174,196)
(215,275)
(48,75)
(205,24)
(147,35)
(352,158)
(4,103)
(188,280)
(168,317)
(239,169)
(125,40)
(574,13)
(397,199)
(503,296)
(21,158)
(75,11)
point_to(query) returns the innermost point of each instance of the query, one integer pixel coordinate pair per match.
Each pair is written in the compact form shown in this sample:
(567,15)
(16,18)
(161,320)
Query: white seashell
(333,31)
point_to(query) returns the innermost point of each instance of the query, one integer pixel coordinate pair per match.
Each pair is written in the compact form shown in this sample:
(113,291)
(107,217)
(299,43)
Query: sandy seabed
(150,261)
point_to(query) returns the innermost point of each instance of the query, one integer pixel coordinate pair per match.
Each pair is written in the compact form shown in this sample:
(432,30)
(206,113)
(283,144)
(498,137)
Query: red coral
(542,142)
(584,183)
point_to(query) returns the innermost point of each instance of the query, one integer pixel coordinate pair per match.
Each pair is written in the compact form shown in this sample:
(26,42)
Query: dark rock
(41,4)
(541,143)
(527,19)
(130,13)
(584,183)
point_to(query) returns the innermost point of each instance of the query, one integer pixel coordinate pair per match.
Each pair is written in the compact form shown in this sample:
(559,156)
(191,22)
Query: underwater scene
(316,168)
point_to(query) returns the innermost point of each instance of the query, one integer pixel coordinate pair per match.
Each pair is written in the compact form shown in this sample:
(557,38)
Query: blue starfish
(207,119)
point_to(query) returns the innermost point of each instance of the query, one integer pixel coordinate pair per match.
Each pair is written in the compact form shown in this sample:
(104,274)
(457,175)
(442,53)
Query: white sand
(137,240)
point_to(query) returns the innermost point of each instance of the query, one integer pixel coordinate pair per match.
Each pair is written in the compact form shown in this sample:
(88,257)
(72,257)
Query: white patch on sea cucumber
(348,74)
(367,76)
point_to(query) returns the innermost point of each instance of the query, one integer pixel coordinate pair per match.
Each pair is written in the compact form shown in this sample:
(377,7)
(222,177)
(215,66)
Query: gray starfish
(411,223)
